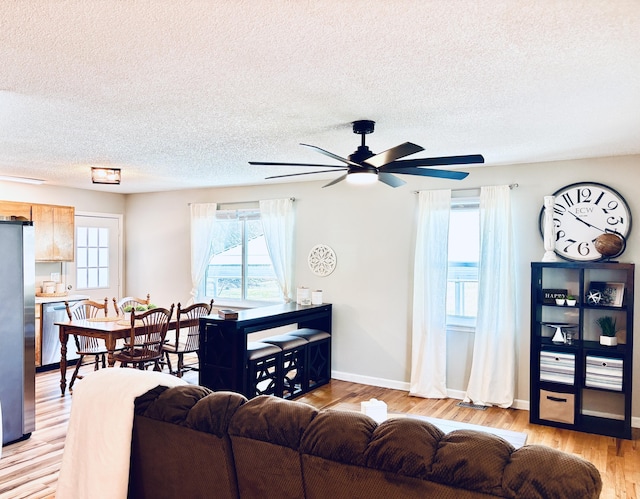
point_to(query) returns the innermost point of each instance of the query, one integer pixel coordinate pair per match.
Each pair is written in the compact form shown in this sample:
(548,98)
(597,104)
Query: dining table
(109,329)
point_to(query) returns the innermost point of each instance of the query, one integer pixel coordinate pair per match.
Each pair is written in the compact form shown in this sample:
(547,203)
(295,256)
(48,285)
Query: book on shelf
(227,313)
(549,295)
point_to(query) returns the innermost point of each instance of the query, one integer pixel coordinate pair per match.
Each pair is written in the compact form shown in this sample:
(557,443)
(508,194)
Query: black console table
(223,342)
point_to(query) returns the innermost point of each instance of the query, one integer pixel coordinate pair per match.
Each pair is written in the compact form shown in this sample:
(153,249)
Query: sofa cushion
(530,469)
(472,460)
(191,407)
(180,445)
(171,406)
(404,447)
(341,436)
(272,419)
(171,461)
(265,436)
(324,478)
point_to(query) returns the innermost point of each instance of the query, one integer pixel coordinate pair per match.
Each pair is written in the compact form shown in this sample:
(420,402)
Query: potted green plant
(571,300)
(608,328)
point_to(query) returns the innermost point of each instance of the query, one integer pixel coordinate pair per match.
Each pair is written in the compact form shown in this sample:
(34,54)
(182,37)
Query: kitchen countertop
(54,299)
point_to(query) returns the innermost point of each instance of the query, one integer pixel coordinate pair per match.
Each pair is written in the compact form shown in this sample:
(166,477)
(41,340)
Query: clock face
(582,212)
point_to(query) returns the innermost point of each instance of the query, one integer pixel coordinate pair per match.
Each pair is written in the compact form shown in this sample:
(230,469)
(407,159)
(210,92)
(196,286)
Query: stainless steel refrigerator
(17,330)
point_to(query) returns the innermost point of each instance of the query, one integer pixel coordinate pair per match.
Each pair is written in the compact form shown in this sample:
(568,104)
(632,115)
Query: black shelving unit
(580,384)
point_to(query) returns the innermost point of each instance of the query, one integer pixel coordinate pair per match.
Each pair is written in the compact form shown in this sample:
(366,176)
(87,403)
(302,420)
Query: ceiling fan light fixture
(362,178)
(105,175)
(364,167)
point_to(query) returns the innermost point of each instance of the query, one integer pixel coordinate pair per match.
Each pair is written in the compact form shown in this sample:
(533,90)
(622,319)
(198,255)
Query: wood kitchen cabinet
(15,209)
(54,228)
(54,232)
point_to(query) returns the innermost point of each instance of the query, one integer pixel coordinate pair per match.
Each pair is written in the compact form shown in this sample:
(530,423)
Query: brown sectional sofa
(193,443)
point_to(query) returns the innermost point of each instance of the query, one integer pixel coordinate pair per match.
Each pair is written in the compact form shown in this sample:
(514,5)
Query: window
(92,258)
(464,251)
(240,268)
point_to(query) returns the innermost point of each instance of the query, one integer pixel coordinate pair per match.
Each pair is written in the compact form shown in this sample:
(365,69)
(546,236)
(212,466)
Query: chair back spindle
(148,333)
(87,345)
(122,303)
(83,310)
(187,337)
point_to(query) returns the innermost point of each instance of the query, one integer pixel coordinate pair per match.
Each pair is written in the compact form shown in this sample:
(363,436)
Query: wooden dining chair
(187,336)
(148,333)
(85,345)
(123,303)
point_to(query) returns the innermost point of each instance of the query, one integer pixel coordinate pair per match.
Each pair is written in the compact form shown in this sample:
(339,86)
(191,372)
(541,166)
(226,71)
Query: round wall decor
(322,260)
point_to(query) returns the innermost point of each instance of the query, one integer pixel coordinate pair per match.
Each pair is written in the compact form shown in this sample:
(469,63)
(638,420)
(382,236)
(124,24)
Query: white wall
(372,232)
(81,199)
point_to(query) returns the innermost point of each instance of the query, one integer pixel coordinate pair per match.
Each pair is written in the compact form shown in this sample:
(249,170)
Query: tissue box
(375,409)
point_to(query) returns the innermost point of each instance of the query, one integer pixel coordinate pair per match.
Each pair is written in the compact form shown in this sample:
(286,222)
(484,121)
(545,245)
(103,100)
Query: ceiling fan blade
(430,172)
(389,179)
(331,155)
(394,153)
(339,179)
(445,160)
(266,163)
(296,174)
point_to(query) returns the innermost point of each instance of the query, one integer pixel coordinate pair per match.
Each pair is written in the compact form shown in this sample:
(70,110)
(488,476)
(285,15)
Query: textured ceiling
(182,94)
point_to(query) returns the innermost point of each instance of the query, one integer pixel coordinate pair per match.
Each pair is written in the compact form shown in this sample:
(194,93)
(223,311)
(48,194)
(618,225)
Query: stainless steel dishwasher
(51,313)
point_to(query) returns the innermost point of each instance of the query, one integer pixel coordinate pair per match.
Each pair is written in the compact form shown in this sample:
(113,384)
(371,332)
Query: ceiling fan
(365,167)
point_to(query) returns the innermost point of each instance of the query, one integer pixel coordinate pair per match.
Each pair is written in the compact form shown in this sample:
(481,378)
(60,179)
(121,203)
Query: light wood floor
(30,468)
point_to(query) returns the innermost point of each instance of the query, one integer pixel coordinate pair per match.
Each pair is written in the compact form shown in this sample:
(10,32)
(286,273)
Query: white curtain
(203,219)
(492,376)
(278,225)
(429,332)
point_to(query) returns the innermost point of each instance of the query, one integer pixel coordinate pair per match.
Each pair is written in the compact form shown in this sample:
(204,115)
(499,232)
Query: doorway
(97,268)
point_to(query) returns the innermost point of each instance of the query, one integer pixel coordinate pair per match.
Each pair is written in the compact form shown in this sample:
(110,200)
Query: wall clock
(582,212)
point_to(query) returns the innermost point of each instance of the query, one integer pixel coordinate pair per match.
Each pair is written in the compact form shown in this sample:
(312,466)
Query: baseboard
(404,386)
(368,380)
